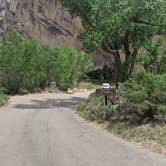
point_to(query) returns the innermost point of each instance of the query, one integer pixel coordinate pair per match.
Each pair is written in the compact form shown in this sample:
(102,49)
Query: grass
(87,85)
(3,99)
(150,136)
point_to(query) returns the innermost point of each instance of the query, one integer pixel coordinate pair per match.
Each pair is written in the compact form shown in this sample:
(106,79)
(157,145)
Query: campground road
(42,130)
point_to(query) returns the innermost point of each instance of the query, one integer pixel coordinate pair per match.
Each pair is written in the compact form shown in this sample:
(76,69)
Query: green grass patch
(87,85)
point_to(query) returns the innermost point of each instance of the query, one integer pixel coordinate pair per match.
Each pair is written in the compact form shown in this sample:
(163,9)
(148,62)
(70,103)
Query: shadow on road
(51,103)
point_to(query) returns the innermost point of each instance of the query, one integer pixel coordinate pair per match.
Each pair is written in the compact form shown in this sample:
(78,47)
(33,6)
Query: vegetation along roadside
(126,30)
(27,67)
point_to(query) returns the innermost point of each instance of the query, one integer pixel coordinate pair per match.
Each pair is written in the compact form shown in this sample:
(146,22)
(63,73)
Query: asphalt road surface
(42,130)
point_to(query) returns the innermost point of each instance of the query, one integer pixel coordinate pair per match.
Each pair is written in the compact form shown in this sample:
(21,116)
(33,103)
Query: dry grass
(152,137)
(3,99)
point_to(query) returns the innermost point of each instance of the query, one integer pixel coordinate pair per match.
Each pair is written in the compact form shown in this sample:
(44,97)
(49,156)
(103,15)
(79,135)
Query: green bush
(3,90)
(20,63)
(3,97)
(142,99)
(22,91)
(153,59)
(145,95)
(25,65)
(86,85)
(94,109)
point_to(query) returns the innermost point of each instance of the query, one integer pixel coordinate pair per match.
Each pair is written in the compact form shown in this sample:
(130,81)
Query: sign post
(106,100)
(107,92)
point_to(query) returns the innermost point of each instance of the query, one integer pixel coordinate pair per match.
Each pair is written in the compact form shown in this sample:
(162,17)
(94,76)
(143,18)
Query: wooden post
(106,93)
(106,100)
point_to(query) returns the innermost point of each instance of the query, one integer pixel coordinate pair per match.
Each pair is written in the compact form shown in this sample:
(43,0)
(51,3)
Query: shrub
(142,99)
(23,91)
(94,109)
(3,90)
(27,65)
(52,89)
(145,95)
(3,97)
(86,85)
(153,59)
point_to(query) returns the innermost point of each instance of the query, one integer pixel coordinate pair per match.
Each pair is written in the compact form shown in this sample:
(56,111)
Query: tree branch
(107,48)
(145,22)
(133,56)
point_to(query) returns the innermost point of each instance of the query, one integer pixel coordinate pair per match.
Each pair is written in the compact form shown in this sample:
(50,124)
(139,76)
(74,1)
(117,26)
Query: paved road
(42,130)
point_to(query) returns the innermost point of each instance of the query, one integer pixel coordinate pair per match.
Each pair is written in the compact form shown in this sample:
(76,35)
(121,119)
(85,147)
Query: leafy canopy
(113,22)
(153,59)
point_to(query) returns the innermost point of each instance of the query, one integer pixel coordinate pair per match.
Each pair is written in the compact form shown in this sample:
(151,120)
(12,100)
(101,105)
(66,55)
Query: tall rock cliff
(43,20)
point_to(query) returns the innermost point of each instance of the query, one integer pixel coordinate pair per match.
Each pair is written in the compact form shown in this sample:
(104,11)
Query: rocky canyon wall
(43,20)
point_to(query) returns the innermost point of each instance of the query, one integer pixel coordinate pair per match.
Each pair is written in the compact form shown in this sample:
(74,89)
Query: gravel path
(42,130)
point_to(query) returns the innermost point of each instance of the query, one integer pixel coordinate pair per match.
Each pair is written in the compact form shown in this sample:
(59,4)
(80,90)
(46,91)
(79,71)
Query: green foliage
(26,66)
(52,88)
(86,85)
(20,65)
(145,95)
(116,25)
(94,109)
(22,91)
(111,19)
(3,90)
(153,60)
(71,67)
(142,98)
(3,97)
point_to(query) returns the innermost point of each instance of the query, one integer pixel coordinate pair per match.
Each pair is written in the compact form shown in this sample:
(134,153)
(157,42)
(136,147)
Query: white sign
(105,86)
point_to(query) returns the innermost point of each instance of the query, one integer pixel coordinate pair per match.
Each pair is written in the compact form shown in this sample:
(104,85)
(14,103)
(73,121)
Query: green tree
(49,57)
(120,27)
(153,58)
(71,67)
(9,59)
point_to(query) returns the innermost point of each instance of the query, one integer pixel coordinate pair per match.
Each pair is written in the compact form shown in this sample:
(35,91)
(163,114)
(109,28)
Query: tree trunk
(133,58)
(126,46)
(117,67)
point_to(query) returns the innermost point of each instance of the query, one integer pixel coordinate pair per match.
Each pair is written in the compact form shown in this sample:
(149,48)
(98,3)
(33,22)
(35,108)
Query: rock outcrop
(43,20)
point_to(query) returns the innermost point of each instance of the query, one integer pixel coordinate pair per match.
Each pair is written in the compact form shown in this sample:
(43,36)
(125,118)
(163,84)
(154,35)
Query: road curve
(42,130)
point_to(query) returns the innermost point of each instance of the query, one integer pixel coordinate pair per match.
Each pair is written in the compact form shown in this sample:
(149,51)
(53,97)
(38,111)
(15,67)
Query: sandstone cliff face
(43,20)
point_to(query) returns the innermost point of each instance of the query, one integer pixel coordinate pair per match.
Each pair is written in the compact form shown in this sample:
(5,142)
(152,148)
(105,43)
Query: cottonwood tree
(153,59)
(120,27)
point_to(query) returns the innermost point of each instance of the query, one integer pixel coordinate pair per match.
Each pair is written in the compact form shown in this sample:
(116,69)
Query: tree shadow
(51,103)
